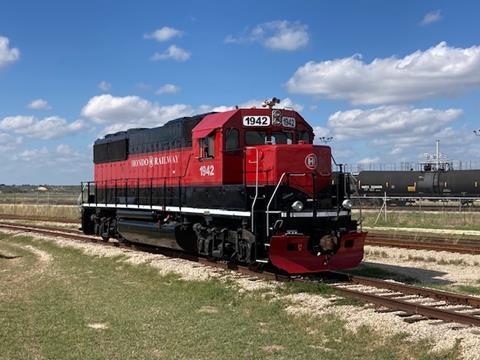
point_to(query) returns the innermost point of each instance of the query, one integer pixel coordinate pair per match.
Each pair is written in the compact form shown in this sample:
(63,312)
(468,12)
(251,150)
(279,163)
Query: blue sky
(385,79)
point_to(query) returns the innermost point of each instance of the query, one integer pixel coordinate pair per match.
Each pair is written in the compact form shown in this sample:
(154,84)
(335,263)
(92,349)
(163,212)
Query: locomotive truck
(245,185)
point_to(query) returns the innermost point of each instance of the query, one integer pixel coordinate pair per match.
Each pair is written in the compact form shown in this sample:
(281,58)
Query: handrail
(256,191)
(267,212)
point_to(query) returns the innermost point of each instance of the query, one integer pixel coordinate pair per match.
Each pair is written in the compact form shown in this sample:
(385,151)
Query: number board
(256,121)
(288,121)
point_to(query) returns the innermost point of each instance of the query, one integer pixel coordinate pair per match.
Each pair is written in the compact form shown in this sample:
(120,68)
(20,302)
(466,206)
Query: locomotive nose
(307,167)
(311,160)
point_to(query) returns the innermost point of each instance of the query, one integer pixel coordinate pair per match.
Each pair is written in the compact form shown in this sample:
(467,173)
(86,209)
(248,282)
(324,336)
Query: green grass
(319,288)
(461,289)
(468,289)
(46,309)
(66,212)
(422,219)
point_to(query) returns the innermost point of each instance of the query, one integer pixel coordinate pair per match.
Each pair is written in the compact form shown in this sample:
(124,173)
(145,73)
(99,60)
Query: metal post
(385,202)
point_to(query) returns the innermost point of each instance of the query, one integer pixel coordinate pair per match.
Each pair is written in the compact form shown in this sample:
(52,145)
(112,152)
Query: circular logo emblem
(311,161)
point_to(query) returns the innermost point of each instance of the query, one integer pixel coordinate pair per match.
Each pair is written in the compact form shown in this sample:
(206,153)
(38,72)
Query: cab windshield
(282,138)
(255,137)
(262,138)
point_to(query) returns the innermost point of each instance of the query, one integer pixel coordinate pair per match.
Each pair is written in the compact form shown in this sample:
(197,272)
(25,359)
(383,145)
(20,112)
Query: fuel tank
(141,227)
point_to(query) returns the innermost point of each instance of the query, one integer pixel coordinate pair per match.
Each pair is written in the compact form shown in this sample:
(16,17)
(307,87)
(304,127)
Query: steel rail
(412,308)
(420,246)
(465,246)
(44,230)
(451,298)
(38,218)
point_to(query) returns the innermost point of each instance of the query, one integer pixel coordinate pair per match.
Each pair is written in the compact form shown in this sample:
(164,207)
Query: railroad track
(424,208)
(405,241)
(410,302)
(462,246)
(38,218)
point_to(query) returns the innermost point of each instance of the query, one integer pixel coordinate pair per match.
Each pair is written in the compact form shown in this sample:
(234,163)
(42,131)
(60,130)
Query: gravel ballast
(443,335)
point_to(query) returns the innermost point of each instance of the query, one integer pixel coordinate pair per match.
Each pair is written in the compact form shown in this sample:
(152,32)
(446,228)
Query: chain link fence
(40,198)
(426,213)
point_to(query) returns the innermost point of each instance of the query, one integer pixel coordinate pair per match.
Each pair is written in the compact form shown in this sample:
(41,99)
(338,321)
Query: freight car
(245,185)
(441,183)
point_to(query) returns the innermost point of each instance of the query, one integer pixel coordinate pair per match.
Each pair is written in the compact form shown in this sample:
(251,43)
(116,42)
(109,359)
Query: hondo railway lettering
(152,161)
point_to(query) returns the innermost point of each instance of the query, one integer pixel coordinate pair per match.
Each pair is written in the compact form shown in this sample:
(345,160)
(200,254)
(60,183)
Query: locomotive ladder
(267,211)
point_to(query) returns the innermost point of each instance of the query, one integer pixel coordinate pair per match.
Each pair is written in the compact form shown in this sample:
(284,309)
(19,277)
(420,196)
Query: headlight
(297,206)
(347,204)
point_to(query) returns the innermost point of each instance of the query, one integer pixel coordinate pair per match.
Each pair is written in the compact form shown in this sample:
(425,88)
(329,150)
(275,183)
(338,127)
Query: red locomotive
(245,185)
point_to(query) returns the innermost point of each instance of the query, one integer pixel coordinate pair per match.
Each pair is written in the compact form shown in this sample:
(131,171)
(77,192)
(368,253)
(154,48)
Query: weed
(294,287)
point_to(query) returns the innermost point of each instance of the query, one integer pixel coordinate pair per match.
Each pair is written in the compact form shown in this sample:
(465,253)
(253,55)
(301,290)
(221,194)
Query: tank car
(431,183)
(245,185)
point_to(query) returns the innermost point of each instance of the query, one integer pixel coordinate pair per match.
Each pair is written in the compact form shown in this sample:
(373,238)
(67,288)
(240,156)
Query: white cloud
(39,104)
(399,122)
(4,138)
(104,86)
(276,35)
(438,71)
(320,131)
(431,17)
(8,55)
(16,122)
(164,34)
(369,160)
(168,89)
(285,103)
(121,113)
(397,133)
(32,154)
(64,149)
(44,129)
(143,86)
(173,52)
(8,143)
(44,158)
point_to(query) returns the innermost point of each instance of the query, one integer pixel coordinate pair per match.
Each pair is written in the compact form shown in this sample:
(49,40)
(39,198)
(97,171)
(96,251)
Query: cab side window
(207,147)
(232,140)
